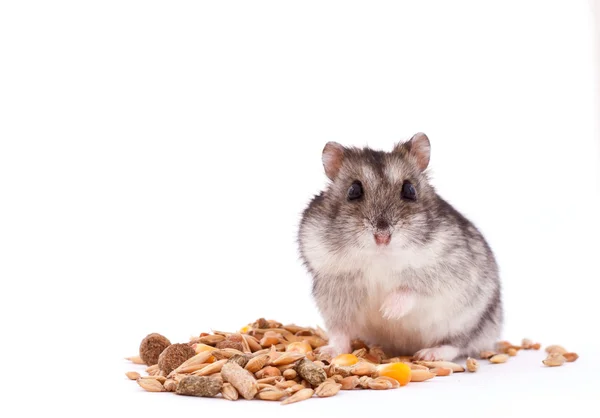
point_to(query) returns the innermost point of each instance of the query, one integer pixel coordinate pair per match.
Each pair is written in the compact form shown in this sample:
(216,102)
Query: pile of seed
(269,361)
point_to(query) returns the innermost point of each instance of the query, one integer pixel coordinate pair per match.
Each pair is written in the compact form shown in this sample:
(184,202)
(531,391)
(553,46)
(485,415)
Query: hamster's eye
(408,191)
(355,191)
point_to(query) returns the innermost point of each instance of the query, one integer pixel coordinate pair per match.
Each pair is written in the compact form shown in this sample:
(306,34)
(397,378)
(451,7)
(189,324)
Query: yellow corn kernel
(398,371)
(345,360)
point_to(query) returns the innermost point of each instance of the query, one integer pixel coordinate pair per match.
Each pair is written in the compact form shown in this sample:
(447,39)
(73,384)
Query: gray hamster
(393,263)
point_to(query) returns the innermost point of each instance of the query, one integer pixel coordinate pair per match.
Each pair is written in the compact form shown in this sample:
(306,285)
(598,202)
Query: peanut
(499,358)
(472,365)
(554,359)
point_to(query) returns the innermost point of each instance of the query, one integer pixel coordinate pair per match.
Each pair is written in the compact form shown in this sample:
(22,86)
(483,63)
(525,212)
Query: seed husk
(571,357)
(360,353)
(226,353)
(194,369)
(297,330)
(375,354)
(301,395)
(170,385)
(212,368)
(526,344)
(343,371)
(486,355)
(421,375)
(349,382)
(309,371)
(287,358)
(252,343)
(511,352)
(299,347)
(554,359)
(456,368)
(399,359)
(271,395)
(315,341)
(290,374)
(363,381)
(414,366)
(363,368)
(269,340)
(133,375)
(442,371)
(499,358)
(268,371)
(395,384)
(200,358)
(324,357)
(161,379)
(135,360)
(177,377)
(245,346)
(241,359)
(556,349)
(337,378)
(502,346)
(203,386)
(151,385)
(295,388)
(211,339)
(256,363)
(241,379)
(472,365)
(327,389)
(229,392)
(379,384)
(234,341)
(270,380)
(286,384)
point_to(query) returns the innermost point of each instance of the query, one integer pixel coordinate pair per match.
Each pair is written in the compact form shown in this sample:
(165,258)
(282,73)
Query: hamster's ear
(419,148)
(333,154)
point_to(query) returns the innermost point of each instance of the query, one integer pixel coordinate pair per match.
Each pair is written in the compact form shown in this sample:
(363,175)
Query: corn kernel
(345,360)
(398,371)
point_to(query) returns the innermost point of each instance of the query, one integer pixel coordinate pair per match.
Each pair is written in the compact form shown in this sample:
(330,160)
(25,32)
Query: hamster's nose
(382,238)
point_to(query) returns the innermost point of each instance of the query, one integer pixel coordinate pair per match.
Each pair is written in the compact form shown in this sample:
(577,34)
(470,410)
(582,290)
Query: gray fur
(435,254)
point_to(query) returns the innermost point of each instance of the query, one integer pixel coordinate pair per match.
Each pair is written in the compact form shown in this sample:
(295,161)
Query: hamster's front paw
(398,304)
(443,352)
(328,352)
(338,344)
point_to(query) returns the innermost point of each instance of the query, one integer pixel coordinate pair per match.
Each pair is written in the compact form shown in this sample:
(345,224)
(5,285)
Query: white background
(155,158)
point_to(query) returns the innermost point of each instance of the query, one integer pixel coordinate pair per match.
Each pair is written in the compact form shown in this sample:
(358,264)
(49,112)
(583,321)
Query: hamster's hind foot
(443,352)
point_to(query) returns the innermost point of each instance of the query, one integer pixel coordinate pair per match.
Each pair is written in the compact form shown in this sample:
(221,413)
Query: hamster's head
(376,200)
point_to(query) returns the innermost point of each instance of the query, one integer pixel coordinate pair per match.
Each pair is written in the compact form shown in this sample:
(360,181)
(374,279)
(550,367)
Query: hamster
(393,263)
